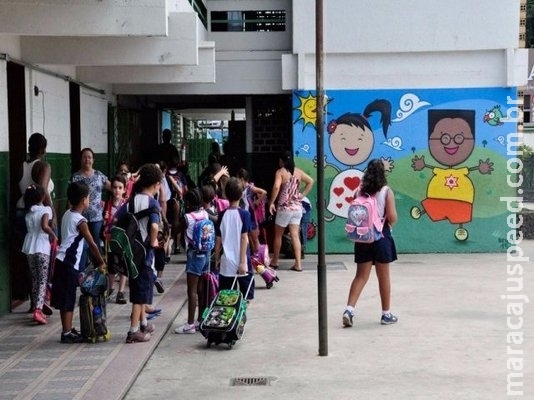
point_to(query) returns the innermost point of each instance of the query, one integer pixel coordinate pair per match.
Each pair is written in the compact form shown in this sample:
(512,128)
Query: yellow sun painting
(307,109)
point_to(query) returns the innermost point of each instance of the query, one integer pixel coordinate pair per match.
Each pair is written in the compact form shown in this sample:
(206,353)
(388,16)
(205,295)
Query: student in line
(74,234)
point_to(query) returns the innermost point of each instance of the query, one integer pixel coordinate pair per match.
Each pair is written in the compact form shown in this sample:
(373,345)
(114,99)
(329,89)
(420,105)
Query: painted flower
(332,127)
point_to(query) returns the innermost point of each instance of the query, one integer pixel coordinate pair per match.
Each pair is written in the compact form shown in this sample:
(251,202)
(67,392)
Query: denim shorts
(197,262)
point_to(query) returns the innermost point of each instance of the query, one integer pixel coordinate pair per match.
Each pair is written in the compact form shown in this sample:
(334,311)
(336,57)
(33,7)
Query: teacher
(97,182)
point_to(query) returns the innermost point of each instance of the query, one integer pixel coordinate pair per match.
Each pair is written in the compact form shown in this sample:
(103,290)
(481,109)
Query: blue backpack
(203,235)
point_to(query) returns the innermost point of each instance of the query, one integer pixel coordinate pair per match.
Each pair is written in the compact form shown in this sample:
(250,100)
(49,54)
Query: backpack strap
(143,213)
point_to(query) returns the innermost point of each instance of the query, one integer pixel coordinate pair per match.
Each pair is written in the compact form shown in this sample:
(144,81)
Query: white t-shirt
(36,240)
(232,223)
(71,247)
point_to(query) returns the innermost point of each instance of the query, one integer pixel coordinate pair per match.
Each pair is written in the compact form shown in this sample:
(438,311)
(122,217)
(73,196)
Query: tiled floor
(35,365)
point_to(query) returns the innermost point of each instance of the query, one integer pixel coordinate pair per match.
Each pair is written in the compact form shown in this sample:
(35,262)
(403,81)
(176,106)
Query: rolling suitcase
(224,320)
(260,262)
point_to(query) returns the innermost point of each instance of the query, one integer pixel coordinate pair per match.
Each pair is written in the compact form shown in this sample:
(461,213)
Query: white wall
(377,26)
(48,113)
(373,44)
(94,121)
(4,134)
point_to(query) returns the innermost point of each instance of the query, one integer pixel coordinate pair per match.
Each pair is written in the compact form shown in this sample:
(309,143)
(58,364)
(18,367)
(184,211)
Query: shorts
(64,286)
(382,251)
(142,287)
(159,259)
(288,217)
(197,263)
(225,282)
(456,211)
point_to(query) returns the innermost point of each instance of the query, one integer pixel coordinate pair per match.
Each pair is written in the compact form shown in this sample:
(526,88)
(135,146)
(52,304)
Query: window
(248,21)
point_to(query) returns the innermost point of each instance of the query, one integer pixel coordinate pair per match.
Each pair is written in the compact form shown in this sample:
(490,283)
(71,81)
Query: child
(74,231)
(232,230)
(197,262)
(380,253)
(118,190)
(36,245)
(141,287)
(251,199)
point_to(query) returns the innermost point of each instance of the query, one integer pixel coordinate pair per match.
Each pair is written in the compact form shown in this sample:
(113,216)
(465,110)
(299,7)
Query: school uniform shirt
(71,247)
(36,240)
(232,223)
(143,201)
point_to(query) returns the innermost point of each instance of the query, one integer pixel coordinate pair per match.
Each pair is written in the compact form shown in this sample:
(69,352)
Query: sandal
(294,268)
(273,266)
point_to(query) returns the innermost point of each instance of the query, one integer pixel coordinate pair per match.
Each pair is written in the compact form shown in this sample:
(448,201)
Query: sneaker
(120,299)
(347,318)
(134,337)
(39,317)
(197,326)
(72,337)
(388,319)
(148,328)
(159,285)
(155,311)
(185,328)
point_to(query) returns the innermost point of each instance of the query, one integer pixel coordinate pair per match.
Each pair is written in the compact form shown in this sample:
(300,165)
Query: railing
(201,11)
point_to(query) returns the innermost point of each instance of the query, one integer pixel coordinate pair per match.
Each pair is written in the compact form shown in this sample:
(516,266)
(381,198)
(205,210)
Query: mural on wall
(450,192)
(445,153)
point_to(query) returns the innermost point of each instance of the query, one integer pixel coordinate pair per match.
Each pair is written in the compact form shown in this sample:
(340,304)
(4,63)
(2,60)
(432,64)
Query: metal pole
(319,125)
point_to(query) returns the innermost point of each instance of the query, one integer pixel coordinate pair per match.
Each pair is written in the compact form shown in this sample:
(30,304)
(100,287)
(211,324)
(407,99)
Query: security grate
(251,381)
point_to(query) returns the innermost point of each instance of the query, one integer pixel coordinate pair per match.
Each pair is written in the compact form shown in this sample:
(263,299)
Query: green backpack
(126,245)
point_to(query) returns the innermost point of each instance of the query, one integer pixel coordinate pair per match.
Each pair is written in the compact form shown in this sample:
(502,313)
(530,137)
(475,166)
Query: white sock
(386,312)
(144,322)
(350,308)
(134,329)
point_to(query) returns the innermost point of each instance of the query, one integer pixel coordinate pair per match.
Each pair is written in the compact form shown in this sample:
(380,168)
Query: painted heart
(339,205)
(338,191)
(349,199)
(352,182)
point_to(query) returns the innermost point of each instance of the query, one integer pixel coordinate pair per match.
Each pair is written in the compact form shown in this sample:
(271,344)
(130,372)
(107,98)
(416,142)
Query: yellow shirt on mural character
(450,195)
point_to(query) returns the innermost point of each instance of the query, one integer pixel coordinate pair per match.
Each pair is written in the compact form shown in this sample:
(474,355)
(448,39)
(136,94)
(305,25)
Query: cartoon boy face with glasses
(450,192)
(451,140)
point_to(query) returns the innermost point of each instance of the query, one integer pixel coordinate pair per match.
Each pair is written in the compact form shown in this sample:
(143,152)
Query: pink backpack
(364,224)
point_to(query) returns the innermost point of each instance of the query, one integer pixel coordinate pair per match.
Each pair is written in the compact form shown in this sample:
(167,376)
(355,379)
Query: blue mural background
(407,137)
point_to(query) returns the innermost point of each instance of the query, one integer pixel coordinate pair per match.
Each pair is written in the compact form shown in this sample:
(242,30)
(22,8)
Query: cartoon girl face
(451,142)
(350,144)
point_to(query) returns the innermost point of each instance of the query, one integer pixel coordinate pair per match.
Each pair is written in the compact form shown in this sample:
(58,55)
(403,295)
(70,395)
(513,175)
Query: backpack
(203,239)
(126,245)
(364,224)
(258,211)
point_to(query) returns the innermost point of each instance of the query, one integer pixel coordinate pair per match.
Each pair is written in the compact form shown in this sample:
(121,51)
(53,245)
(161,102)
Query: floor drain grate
(251,381)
